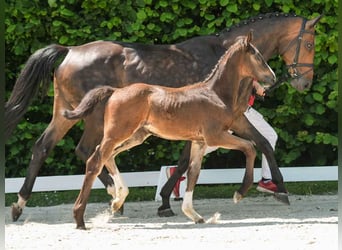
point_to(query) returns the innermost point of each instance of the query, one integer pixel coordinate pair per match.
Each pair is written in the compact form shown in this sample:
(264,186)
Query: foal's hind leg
(43,146)
(121,189)
(91,137)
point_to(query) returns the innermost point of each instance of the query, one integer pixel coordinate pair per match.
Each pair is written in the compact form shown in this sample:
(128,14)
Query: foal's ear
(248,40)
(249,37)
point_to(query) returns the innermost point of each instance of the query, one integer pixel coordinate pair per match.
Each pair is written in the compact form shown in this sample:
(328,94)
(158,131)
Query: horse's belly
(173,131)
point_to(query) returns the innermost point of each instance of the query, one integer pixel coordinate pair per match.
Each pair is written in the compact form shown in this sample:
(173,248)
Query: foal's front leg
(229,141)
(196,156)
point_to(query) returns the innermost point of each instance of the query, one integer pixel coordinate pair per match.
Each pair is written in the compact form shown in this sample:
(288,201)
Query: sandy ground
(311,222)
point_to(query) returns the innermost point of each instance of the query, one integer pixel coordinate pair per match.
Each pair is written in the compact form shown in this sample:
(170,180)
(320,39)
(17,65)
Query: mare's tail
(89,102)
(36,73)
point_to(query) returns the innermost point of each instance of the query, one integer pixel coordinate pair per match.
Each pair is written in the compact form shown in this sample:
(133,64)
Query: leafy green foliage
(306,122)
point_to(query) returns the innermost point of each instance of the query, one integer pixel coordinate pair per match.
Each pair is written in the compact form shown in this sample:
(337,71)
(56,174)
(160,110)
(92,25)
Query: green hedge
(306,122)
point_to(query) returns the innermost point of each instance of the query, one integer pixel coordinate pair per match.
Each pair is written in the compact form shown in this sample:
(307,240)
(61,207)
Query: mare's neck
(271,34)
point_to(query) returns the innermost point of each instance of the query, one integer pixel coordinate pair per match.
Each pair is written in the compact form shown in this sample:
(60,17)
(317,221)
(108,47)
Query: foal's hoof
(237,197)
(121,209)
(282,197)
(167,212)
(200,221)
(16,211)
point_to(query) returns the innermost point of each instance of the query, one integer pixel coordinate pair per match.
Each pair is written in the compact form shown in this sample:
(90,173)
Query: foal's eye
(251,50)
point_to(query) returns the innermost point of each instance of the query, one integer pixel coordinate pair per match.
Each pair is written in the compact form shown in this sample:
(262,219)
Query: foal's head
(251,62)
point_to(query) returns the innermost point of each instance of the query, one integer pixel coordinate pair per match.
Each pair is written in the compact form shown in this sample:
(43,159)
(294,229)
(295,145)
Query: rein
(279,82)
(294,73)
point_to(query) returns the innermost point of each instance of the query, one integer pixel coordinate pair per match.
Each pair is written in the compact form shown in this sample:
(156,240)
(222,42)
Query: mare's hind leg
(43,146)
(196,156)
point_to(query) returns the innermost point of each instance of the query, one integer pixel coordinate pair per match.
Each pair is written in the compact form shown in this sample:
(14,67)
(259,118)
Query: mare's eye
(309,45)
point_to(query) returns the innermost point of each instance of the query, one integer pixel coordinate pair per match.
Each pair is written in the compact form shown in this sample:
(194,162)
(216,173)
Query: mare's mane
(229,29)
(255,19)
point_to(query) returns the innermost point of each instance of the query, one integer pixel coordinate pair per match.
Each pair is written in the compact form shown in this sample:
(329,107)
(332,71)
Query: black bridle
(292,68)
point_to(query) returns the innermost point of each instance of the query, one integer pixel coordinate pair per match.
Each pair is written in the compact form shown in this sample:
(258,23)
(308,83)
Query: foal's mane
(237,46)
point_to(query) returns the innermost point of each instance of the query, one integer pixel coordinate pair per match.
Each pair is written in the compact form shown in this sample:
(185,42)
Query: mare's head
(298,52)
(251,63)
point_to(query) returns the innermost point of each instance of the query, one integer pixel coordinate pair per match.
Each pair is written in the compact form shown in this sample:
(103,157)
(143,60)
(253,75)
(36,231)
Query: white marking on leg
(187,201)
(121,192)
(111,190)
(21,202)
(188,209)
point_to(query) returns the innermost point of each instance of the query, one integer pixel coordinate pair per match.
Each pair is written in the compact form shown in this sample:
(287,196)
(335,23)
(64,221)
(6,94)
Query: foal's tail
(36,73)
(89,102)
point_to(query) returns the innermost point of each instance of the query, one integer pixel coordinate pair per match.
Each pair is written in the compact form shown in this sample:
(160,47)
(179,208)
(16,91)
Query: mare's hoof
(282,197)
(200,221)
(237,197)
(81,227)
(165,212)
(16,211)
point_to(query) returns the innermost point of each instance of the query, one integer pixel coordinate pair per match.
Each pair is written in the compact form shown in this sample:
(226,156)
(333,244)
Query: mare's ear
(313,22)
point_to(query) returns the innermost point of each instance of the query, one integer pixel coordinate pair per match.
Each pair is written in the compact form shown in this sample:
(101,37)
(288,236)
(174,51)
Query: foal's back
(171,113)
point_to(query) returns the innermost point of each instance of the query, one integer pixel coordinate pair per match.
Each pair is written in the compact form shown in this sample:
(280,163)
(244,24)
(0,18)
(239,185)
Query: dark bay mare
(140,110)
(118,64)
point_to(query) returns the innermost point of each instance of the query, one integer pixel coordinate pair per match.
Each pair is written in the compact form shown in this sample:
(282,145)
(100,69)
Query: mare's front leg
(43,146)
(196,156)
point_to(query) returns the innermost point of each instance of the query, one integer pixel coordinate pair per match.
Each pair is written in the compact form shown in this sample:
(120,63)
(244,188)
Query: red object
(177,186)
(267,187)
(251,100)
